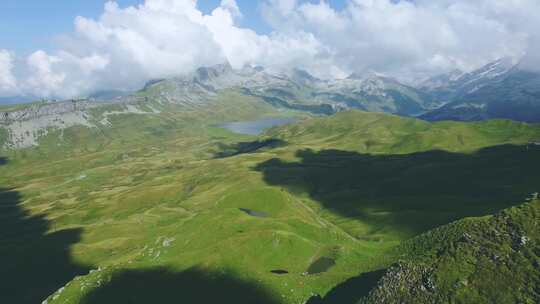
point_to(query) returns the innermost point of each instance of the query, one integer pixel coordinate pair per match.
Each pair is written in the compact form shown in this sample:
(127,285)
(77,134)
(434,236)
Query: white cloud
(126,46)
(408,38)
(8,83)
(161,38)
(42,78)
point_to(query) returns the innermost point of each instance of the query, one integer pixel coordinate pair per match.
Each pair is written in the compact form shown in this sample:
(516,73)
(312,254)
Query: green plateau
(167,207)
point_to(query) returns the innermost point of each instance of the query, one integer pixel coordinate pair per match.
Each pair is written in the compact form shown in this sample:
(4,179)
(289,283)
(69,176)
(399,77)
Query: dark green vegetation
(394,192)
(321,265)
(188,286)
(154,203)
(495,259)
(22,236)
(228,150)
(352,290)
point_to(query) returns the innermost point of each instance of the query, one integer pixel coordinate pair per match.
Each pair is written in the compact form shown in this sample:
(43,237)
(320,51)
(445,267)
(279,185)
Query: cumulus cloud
(125,47)
(408,39)
(8,83)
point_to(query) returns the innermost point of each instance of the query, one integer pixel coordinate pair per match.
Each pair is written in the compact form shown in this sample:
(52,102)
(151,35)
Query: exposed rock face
(297,90)
(482,260)
(26,133)
(501,89)
(456,84)
(404,278)
(46,109)
(26,126)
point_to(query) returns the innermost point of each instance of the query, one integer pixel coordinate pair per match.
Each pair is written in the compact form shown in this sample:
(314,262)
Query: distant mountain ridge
(501,89)
(297,89)
(454,96)
(455,84)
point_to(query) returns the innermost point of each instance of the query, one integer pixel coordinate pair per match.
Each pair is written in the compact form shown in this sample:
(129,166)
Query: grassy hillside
(377,133)
(494,259)
(168,206)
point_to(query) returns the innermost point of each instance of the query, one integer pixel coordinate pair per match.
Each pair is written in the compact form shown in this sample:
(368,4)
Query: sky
(40,21)
(67,48)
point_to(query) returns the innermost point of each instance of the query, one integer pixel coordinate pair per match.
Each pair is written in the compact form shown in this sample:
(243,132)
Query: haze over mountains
(501,89)
(298,89)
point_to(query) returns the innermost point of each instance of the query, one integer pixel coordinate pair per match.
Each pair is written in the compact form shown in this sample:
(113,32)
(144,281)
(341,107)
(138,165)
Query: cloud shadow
(34,261)
(350,291)
(229,150)
(417,191)
(161,285)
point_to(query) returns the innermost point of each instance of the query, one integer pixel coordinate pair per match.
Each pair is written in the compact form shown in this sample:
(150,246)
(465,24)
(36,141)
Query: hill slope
(169,197)
(478,260)
(23,126)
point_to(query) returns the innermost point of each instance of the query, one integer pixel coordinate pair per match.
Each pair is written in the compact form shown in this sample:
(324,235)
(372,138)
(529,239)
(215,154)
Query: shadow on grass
(350,291)
(410,192)
(34,263)
(160,285)
(248,147)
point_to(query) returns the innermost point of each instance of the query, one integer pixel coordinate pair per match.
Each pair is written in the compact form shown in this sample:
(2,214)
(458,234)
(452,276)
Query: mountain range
(297,90)
(501,89)
(149,197)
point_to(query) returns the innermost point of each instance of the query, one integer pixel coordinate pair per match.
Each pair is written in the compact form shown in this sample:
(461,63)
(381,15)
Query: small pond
(256,127)
(254,213)
(321,265)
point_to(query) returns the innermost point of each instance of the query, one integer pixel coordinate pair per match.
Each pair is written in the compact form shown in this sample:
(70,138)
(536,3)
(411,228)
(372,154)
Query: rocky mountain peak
(204,74)
(303,77)
(441,80)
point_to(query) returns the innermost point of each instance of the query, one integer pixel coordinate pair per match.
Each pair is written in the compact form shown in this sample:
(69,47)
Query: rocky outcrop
(501,89)
(296,89)
(24,127)
(479,260)
(46,109)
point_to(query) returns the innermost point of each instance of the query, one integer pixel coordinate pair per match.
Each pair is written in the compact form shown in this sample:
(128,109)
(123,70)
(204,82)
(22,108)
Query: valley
(269,152)
(160,202)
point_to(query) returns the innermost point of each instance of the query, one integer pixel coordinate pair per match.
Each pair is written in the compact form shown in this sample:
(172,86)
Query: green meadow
(153,208)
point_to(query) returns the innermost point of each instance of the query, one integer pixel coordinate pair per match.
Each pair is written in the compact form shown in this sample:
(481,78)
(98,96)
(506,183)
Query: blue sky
(406,39)
(27,25)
